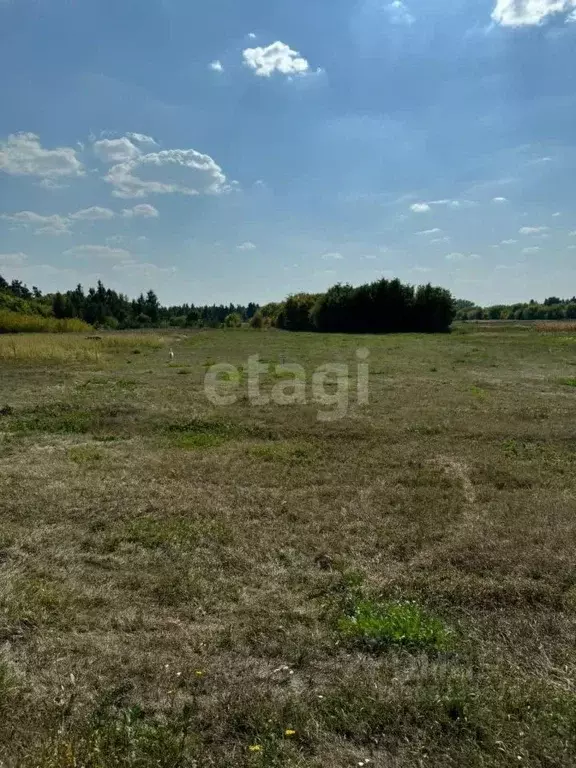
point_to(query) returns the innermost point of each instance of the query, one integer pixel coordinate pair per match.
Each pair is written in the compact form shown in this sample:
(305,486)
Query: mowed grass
(186,584)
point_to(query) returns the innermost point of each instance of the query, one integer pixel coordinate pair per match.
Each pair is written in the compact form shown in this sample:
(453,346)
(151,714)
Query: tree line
(106,308)
(552,308)
(383,306)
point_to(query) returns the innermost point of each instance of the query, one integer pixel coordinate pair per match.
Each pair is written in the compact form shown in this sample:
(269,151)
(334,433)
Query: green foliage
(552,308)
(296,312)
(257,321)
(233,320)
(376,626)
(383,307)
(105,308)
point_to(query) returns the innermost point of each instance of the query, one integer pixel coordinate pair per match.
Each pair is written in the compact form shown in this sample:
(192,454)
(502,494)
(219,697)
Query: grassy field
(184,584)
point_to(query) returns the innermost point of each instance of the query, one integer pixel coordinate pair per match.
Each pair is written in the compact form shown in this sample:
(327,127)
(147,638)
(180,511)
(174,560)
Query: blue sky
(236,151)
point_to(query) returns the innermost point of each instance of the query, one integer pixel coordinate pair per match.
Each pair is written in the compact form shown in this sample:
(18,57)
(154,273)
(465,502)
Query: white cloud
(140,269)
(462,256)
(51,184)
(532,249)
(434,231)
(440,240)
(572,18)
(143,211)
(174,170)
(115,150)
(12,259)
(216,66)
(277,57)
(95,213)
(98,252)
(246,246)
(555,215)
(23,155)
(399,13)
(333,255)
(454,203)
(141,138)
(499,199)
(508,242)
(532,230)
(522,13)
(42,225)
(420,207)
(252,35)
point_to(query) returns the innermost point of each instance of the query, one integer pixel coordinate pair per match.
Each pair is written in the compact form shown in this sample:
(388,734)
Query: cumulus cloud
(174,170)
(141,138)
(434,231)
(532,230)
(399,13)
(420,207)
(523,13)
(216,66)
(142,211)
(12,259)
(499,200)
(98,252)
(42,225)
(115,150)
(246,246)
(23,155)
(277,57)
(95,213)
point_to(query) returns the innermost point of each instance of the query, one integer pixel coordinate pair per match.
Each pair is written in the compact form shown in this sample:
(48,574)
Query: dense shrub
(382,307)
(296,312)
(257,320)
(233,320)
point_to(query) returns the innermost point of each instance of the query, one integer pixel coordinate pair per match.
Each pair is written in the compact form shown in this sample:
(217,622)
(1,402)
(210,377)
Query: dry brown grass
(72,348)
(562,326)
(175,576)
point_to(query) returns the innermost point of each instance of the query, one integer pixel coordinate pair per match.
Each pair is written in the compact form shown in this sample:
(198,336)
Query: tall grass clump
(123,341)
(556,327)
(47,348)
(16,322)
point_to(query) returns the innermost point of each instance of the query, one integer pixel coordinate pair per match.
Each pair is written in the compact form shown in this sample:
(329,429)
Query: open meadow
(247,585)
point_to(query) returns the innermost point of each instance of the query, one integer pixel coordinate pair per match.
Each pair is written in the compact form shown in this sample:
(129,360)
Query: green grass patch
(194,441)
(568,382)
(85,454)
(376,626)
(150,532)
(71,419)
(284,453)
